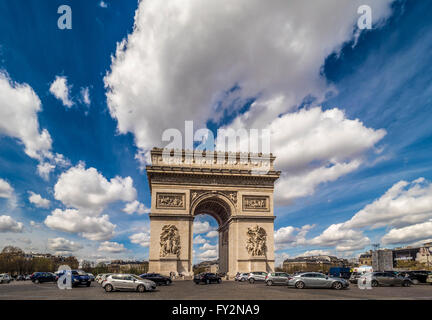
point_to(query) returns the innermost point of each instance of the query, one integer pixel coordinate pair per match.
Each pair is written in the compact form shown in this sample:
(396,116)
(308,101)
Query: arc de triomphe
(231,191)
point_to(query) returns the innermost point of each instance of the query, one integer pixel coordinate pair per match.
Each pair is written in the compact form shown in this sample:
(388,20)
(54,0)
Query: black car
(207,278)
(39,277)
(417,276)
(157,278)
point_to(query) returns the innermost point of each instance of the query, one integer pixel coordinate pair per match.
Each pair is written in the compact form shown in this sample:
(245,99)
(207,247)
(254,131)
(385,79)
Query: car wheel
(219,280)
(36,281)
(415,281)
(406,283)
(167,282)
(88,284)
(269,283)
(109,288)
(141,288)
(374,283)
(337,285)
(300,285)
(251,280)
(207,281)
(243,279)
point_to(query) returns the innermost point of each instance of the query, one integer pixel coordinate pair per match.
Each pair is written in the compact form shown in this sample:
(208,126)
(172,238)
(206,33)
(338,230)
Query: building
(121,266)
(207,266)
(365,259)
(382,260)
(321,263)
(421,254)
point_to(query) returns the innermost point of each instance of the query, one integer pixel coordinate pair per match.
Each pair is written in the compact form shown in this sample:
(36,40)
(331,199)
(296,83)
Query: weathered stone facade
(240,200)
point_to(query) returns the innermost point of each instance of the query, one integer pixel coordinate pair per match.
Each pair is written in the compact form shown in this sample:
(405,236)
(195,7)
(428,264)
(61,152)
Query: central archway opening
(210,236)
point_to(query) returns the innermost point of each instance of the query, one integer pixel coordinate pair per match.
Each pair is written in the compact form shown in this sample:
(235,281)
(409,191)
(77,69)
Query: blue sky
(362,97)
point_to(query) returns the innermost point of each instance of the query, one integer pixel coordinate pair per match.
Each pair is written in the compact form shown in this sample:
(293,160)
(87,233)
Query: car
(276,278)
(127,282)
(20,277)
(417,276)
(316,280)
(207,278)
(27,277)
(156,278)
(241,276)
(429,278)
(5,278)
(388,279)
(91,276)
(256,276)
(39,277)
(79,277)
(102,277)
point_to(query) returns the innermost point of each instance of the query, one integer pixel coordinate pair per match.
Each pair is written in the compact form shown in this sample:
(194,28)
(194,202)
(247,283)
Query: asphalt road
(227,290)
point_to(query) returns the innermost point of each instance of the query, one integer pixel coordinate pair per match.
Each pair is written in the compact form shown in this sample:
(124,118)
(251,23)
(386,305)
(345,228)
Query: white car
(5,278)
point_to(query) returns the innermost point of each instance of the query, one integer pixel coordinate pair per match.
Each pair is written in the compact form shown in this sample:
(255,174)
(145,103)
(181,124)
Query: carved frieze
(169,241)
(256,242)
(170,200)
(256,203)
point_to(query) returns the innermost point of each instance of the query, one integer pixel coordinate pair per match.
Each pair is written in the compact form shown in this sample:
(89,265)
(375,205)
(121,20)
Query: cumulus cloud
(199,240)
(85,96)
(6,190)
(208,254)
(405,203)
(18,117)
(112,247)
(60,89)
(415,232)
(74,221)
(89,191)
(142,238)
(277,61)
(201,227)
(314,253)
(136,207)
(7,224)
(212,234)
(63,245)
(38,201)
(291,236)
(208,246)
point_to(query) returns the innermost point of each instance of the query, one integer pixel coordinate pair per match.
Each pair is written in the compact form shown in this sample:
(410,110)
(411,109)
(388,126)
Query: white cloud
(61,90)
(290,236)
(212,234)
(405,203)
(208,254)
(7,224)
(85,96)
(38,201)
(201,227)
(136,207)
(103,4)
(208,246)
(19,106)
(112,247)
(340,238)
(90,192)
(277,60)
(416,232)
(74,221)
(199,240)
(63,245)
(280,257)
(315,253)
(142,238)
(6,190)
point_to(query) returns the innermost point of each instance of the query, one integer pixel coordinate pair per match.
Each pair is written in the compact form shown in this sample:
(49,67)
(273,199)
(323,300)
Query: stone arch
(215,204)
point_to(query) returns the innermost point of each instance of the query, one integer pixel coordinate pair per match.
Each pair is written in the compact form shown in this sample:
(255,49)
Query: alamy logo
(65,277)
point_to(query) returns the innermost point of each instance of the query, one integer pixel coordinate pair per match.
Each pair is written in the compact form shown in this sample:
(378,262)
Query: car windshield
(136,277)
(82,273)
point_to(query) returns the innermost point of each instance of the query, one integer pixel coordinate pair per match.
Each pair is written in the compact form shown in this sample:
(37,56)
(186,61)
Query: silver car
(388,279)
(5,278)
(276,278)
(316,280)
(127,282)
(257,276)
(241,276)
